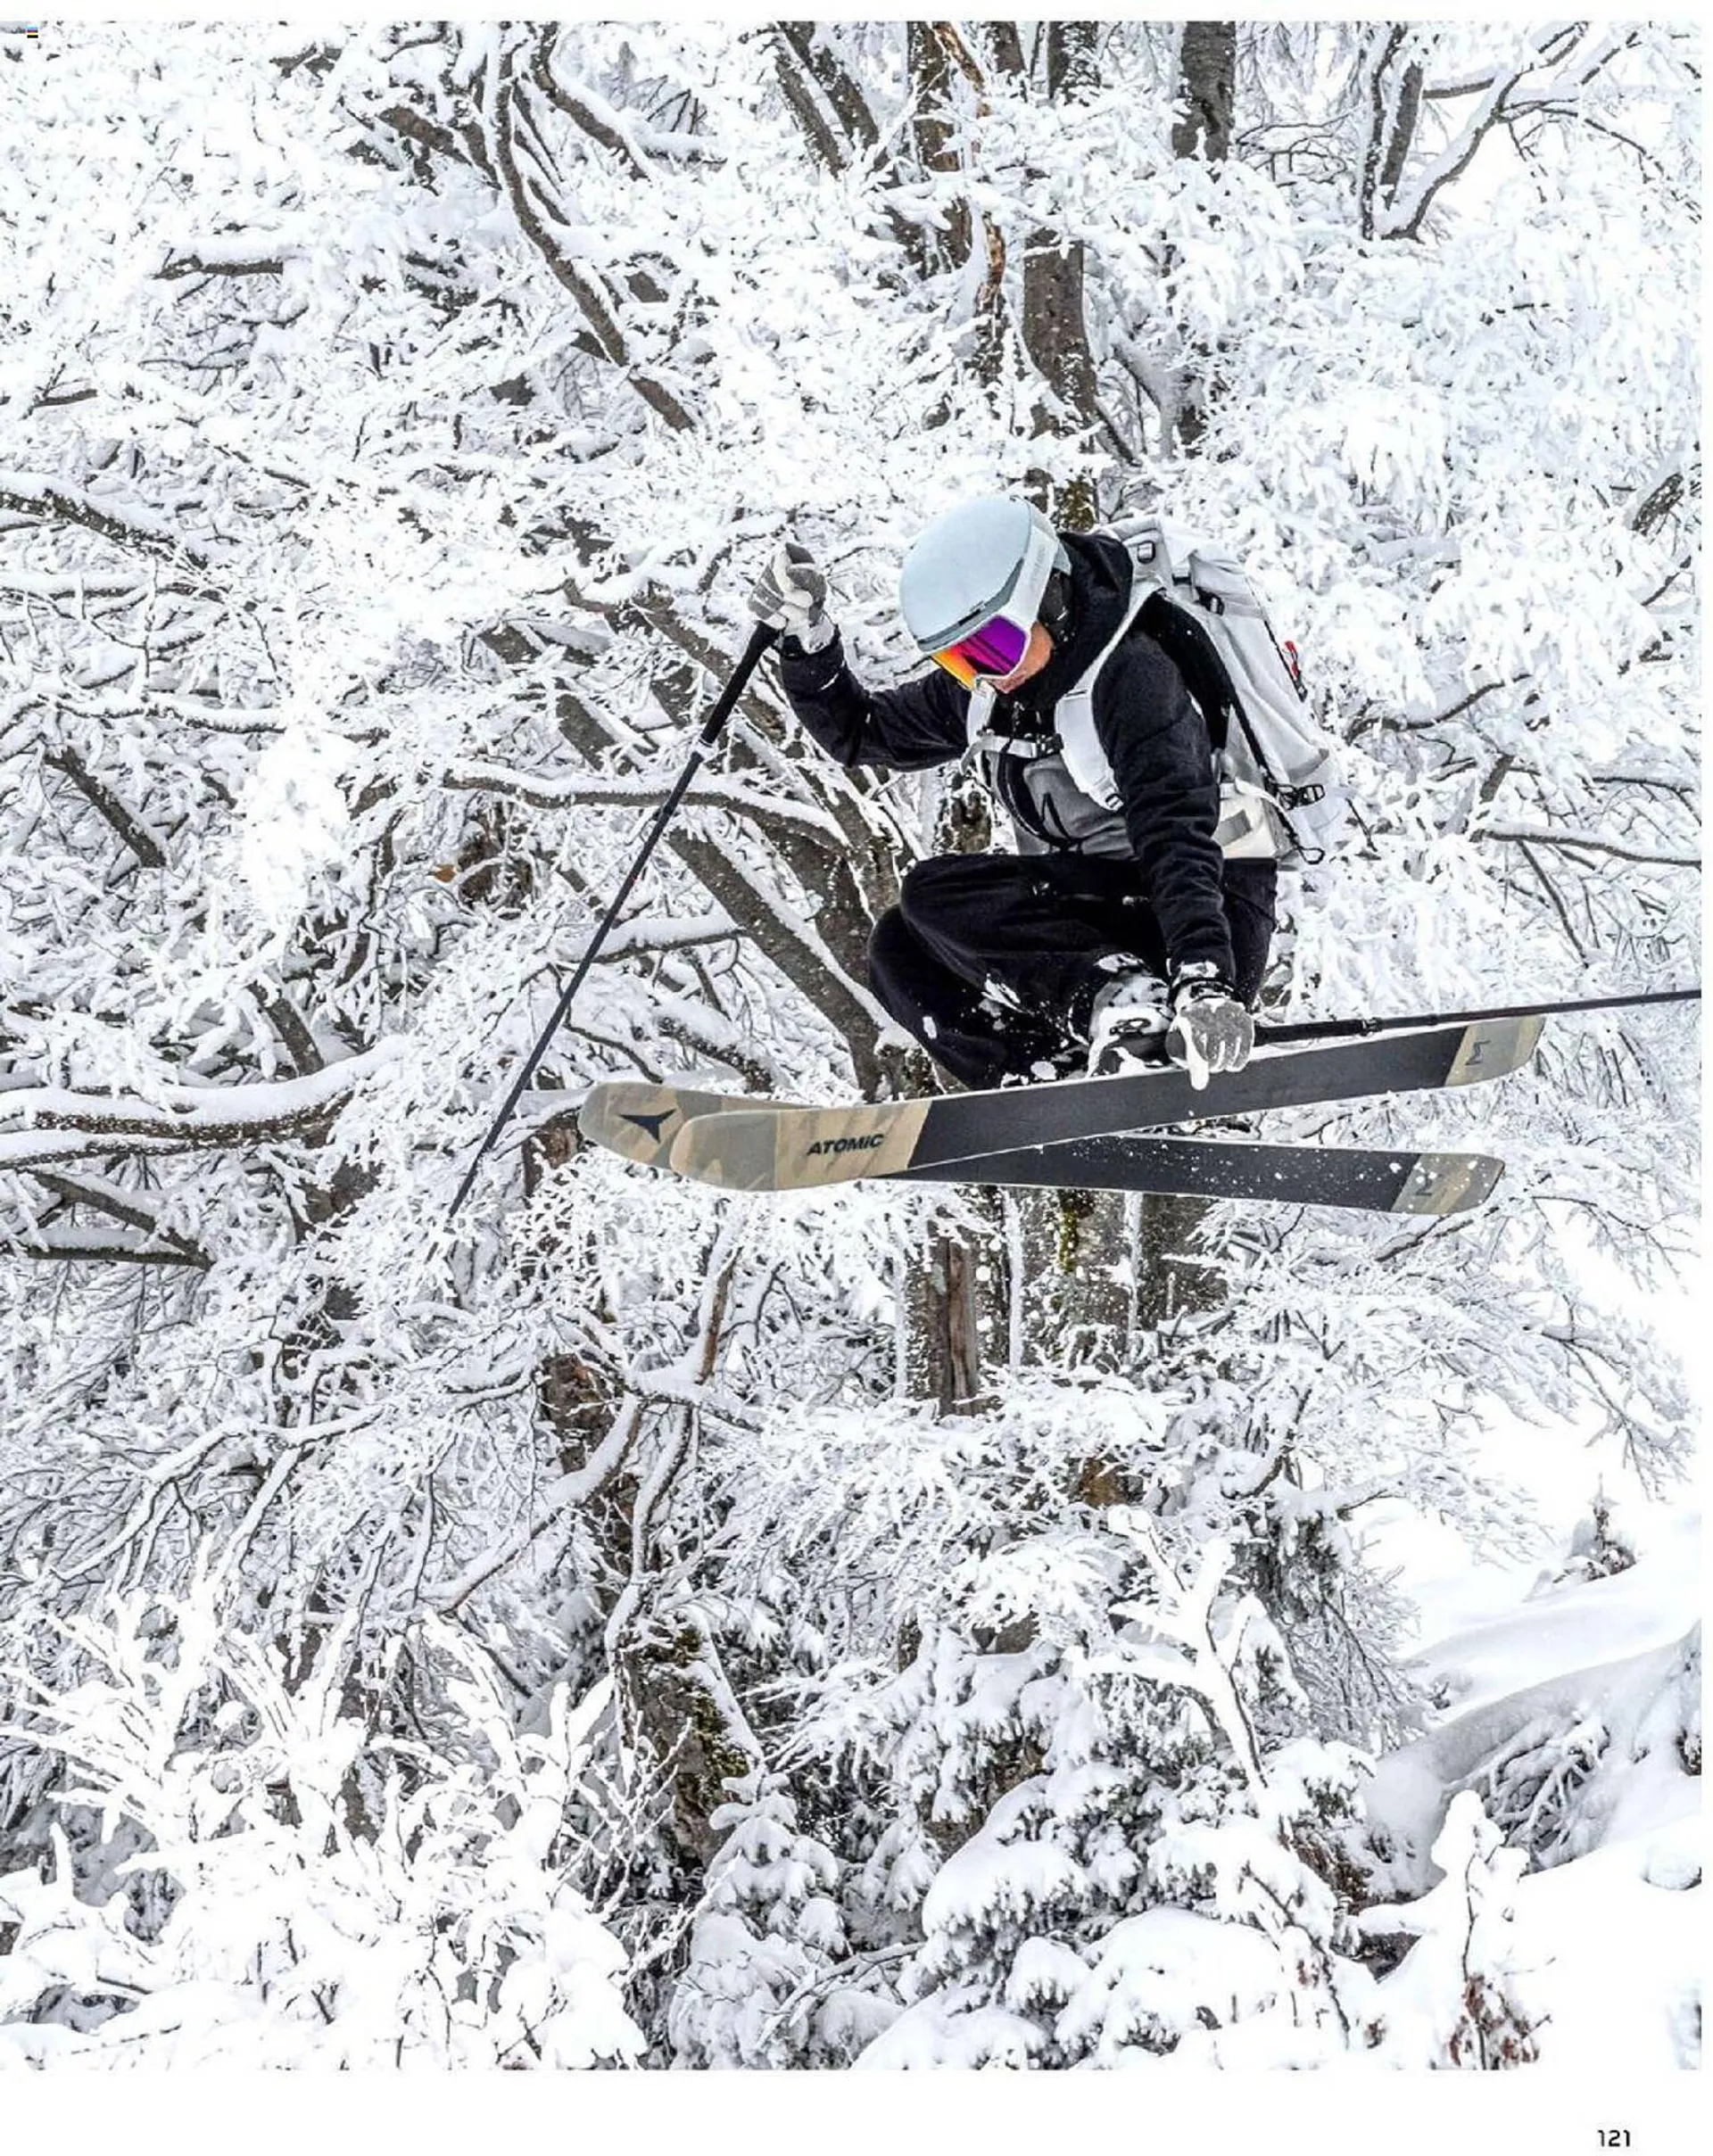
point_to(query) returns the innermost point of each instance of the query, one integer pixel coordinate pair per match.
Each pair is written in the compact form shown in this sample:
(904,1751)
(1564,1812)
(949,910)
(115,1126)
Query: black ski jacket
(1152,731)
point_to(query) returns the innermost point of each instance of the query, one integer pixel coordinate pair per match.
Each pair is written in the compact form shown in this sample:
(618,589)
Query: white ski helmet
(982,559)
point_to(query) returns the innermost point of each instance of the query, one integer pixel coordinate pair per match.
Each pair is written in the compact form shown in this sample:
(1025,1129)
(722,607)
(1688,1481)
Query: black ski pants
(993,959)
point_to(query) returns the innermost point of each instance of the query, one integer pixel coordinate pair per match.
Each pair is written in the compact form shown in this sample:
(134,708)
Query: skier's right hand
(790,595)
(1211,1030)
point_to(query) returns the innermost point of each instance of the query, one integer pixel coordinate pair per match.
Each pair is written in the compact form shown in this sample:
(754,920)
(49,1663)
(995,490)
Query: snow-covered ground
(1609,1937)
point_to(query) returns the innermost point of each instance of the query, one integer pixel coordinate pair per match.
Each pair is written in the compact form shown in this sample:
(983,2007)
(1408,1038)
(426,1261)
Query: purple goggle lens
(996,648)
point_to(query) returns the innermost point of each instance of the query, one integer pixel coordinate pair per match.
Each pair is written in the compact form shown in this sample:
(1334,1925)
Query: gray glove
(790,595)
(1211,1030)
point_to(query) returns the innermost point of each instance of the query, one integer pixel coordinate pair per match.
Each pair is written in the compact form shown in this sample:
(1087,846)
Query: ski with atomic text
(763,1147)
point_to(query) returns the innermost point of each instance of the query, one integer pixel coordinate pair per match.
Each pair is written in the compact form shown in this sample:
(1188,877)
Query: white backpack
(1280,797)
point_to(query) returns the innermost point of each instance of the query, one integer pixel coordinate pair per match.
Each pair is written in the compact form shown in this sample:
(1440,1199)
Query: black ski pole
(713,726)
(1356,1028)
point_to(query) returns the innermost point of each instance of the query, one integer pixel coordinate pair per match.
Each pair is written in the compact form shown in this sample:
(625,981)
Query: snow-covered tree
(770,1981)
(1451,2003)
(260,1880)
(1166,1872)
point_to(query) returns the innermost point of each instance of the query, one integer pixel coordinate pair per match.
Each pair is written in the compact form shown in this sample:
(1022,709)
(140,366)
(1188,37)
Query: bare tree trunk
(1207,73)
(1394,107)
(1172,1282)
(1073,62)
(1207,78)
(931,82)
(1077,1262)
(1006,46)
(1054,326)
(944,1308)
(1055,337)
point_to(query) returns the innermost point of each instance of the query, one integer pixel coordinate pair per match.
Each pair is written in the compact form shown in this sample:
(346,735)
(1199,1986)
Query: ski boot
(1128,1025)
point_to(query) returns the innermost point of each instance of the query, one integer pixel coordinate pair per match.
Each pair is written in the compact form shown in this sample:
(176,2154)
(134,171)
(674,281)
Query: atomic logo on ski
(867,1144)
(651,1123)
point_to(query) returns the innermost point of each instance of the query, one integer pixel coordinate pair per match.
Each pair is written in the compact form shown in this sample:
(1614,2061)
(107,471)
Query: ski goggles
(993,650)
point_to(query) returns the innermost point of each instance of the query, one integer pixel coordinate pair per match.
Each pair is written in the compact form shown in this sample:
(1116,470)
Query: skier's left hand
(1211,1030)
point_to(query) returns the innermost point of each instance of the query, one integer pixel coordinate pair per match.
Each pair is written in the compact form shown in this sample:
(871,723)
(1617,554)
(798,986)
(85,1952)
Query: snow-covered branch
(180,1117)
(1575,841)
(763,809)
(127,523)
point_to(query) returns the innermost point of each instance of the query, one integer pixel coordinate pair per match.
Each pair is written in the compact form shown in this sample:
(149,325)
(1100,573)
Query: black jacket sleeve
(909,729)
(1157,743)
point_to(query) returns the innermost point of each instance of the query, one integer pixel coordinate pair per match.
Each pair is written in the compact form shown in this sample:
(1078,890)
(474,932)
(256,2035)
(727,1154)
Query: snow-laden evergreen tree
(380,480)
(767,1981)
(1163,1872)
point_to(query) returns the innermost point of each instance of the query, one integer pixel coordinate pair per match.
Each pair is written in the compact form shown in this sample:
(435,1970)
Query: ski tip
(1493,1048)
(1448,1182)
(734,1151)
(639,1122)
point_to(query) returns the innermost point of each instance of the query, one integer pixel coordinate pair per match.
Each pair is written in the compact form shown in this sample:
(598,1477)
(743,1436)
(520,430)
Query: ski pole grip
(713,725)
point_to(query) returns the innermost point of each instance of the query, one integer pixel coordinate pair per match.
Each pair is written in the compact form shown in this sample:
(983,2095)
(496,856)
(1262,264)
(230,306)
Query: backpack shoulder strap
(1073,716)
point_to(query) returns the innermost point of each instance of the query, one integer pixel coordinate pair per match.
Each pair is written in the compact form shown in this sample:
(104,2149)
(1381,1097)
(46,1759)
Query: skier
(1111,937)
